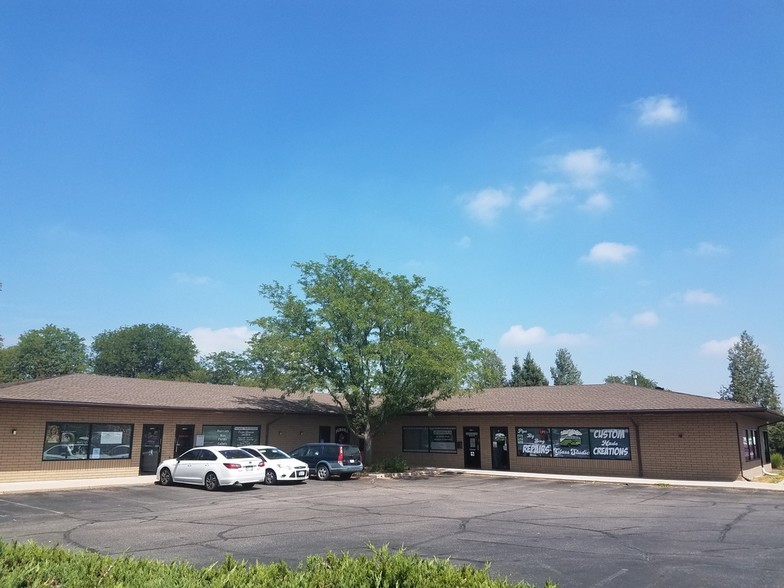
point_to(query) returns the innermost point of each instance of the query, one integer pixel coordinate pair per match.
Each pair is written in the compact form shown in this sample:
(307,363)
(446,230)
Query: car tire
(322,472)
(270,478)
(249,485)
(211,481)
(165,477)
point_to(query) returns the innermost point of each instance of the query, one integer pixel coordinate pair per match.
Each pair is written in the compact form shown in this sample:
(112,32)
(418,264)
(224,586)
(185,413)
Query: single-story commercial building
(94,426)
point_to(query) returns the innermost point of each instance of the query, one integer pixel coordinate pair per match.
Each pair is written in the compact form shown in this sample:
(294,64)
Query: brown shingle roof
(92,390)
(587,398)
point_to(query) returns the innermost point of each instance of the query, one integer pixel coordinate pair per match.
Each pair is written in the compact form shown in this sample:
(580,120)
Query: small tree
(147,351)
(532,374)
(634,378)
(381,345)
(751,381)
(564,372)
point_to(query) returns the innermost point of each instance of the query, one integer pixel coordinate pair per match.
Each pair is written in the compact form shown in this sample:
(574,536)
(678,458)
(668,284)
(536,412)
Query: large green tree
(751,381)
(381,345)
(491,369)
(147,351)
(564,372)
(532,374)
(634,378)
(45,353)
(227,367)
(516,374)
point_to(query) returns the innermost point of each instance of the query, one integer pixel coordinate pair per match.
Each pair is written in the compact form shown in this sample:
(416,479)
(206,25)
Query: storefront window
(430,439)
(231,435)
(751,445)
(87,441)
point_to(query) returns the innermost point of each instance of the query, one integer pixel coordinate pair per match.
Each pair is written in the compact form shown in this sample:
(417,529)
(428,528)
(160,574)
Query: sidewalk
(93,483)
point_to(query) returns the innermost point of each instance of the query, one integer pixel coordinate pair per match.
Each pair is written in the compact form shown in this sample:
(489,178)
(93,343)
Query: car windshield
(235,453)
(272,453)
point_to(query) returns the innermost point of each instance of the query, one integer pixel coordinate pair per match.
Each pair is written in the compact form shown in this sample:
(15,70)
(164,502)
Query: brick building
(93,426)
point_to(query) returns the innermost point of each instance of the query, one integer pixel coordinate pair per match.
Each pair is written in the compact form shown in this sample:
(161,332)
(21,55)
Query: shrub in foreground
(30,565)
(776,460)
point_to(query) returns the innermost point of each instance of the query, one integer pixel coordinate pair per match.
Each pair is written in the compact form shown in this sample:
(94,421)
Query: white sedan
(212,467)
(280,465)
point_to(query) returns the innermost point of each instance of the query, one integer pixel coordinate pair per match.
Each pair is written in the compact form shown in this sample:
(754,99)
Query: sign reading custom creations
(610,444)
(573,442)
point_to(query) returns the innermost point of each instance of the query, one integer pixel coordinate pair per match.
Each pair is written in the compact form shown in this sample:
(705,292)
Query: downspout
(740,452)
(268,426)
(637,443)
(762,453)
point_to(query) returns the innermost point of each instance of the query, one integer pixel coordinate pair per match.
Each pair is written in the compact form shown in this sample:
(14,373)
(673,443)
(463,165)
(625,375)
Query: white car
(280,465)
(212,467)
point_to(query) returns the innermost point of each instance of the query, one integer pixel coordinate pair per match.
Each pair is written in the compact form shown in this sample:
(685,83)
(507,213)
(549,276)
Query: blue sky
(601,176)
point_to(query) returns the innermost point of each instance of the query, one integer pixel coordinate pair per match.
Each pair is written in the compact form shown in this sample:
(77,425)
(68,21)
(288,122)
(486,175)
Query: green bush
(776,460)
(30,565)
(390,465)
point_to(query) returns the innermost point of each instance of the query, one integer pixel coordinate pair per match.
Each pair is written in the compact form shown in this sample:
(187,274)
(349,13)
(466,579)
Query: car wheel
(166,477)
(270,478)
(211,481)
(249,485)
(322,472)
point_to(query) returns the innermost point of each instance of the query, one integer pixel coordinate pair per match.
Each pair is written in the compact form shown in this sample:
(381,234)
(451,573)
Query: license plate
(301,474)
(250,467)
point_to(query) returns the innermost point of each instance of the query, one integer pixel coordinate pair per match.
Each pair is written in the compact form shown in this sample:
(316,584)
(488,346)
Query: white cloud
(233,339)
(584,167)
(608,252)
(539,198)
(487,205)
(714,348)
(657,111)
(190,279)
(649,318)
(518,337)
(598,202)
(700,297)
(705,248)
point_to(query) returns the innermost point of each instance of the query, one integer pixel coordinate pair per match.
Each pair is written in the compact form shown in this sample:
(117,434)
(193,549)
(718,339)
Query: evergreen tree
(532,374)
(516,376)
(564,372)
(751,381)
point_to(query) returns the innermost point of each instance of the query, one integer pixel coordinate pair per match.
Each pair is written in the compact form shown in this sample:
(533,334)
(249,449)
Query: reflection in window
(67,441)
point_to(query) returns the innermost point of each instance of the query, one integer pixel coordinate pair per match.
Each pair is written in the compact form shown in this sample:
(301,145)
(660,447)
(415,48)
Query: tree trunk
(368,452)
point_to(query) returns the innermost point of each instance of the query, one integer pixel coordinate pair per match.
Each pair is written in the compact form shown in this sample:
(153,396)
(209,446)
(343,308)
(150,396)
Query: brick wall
(686,446)
(21,458)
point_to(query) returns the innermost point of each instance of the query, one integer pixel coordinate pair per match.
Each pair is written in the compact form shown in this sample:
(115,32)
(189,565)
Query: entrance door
(325,432)
(151,448)
(471,456)
(183,440)
(499,437)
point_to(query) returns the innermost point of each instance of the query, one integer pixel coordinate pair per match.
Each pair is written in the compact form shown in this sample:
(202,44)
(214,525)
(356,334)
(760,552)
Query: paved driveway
(578,534)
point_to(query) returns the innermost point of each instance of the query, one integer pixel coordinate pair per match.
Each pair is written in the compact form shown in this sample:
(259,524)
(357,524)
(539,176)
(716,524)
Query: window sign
(534,442)
(571,442)
(610,444)
(216,434)
(443,439)
(249,435)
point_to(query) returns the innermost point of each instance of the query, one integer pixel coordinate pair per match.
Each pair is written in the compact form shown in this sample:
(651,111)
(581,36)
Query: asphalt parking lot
(577,534)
